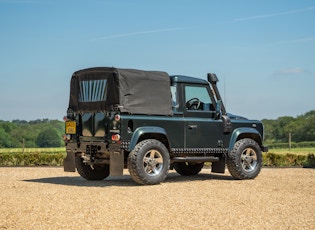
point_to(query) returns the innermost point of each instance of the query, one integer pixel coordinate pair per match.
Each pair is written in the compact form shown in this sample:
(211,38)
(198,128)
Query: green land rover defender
(150,122)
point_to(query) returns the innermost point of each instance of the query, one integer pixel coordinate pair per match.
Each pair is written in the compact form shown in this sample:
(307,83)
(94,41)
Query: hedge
(56,159)
(286,160)
(31,159)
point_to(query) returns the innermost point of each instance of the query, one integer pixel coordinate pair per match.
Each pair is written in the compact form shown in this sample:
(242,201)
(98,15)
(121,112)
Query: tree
(48,138)
(302,128)
(5,141)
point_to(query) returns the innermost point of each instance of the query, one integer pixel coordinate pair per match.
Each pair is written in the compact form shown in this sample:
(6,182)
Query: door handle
(192,126)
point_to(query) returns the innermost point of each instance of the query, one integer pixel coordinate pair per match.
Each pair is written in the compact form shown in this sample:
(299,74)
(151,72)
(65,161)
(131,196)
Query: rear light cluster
(117,117)
(115,137)
(66,138)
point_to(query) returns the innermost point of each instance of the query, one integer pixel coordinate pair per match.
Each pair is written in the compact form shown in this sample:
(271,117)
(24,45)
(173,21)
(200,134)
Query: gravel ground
(48,198)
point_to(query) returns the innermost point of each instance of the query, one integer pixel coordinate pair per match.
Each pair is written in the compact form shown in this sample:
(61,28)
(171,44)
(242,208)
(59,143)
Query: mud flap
(69,162)
(116,161)
(219,166)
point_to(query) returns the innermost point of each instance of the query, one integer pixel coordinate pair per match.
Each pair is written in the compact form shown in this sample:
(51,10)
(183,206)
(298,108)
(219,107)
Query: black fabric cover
(133,91)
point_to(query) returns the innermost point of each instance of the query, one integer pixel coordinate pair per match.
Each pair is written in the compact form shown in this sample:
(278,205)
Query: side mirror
(212,78)
(218,109)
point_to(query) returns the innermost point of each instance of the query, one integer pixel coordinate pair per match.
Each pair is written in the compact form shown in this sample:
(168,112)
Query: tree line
(301,128)
(49,133)
(31,134)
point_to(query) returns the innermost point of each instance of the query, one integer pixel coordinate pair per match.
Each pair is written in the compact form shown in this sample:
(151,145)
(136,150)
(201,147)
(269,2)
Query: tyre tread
(233,162)
(136,173)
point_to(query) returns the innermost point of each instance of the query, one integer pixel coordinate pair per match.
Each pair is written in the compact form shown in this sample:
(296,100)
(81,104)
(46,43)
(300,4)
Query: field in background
(296,151)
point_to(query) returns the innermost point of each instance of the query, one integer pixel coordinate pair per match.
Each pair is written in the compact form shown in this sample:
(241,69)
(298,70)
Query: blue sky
(262,51)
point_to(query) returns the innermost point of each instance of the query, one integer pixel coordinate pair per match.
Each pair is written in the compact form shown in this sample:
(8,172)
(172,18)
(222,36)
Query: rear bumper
(110,151)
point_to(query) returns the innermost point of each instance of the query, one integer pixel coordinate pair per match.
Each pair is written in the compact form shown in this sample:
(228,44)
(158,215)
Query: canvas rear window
(93,90)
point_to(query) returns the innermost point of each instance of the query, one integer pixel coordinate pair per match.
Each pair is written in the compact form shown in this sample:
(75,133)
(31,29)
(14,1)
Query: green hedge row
(56,159)
(286,160)
(31,159)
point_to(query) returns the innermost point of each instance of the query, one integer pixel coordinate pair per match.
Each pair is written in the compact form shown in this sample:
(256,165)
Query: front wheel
(148,163)
(245,160)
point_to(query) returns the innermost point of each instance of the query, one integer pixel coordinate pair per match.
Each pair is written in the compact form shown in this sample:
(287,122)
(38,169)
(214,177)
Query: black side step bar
(195,159)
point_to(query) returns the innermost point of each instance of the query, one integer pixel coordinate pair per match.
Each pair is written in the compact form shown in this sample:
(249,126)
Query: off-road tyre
(99,172)
(245,160)
(188,169)
(148,163)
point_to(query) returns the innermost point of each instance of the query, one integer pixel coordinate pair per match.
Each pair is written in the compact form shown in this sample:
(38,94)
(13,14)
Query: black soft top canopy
(132,91)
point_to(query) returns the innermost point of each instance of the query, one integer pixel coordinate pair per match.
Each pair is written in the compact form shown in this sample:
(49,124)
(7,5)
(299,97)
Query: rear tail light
(66,138)
(117,117)
(115,137)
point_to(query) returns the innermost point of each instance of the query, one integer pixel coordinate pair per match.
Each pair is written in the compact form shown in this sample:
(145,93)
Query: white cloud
(136,33)
(289,71)
(294,41)
(275,14)
(20,1)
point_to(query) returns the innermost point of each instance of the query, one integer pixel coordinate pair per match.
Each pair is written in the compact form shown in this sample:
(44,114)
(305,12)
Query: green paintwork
(143,131)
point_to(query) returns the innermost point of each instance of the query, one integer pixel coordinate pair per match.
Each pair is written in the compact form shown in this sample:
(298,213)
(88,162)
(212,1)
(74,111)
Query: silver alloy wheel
(153,162)
(249,159)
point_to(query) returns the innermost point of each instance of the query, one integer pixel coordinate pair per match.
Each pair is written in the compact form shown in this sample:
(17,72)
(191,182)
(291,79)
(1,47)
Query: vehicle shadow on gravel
(174,177)
(78,181)
(126,180)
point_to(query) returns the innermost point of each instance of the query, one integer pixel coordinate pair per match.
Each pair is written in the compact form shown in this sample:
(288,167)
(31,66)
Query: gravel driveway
(48,198)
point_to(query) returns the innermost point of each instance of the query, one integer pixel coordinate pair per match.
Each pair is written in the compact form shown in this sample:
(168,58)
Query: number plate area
(70,127)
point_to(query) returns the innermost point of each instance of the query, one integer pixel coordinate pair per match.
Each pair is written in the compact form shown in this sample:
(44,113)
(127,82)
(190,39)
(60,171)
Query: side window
(197,98)
(174,95)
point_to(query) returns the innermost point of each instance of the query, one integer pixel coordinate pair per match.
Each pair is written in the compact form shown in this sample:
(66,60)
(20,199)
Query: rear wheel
(188,169)
(98,172)
(245,160)
(148,163)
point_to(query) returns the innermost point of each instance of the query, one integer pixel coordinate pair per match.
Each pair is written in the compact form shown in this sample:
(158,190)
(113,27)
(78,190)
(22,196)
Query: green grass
(295,151)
